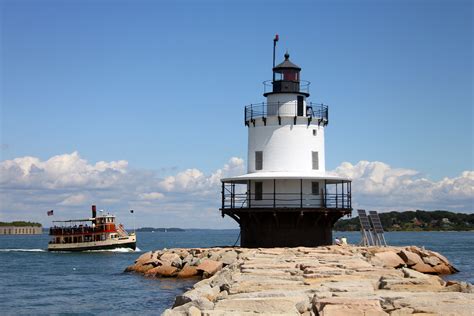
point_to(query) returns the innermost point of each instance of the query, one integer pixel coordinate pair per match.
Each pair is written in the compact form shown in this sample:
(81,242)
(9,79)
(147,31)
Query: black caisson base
(286,229)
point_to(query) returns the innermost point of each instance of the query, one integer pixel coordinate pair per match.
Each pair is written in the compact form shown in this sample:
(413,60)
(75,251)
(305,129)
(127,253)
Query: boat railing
(80,230)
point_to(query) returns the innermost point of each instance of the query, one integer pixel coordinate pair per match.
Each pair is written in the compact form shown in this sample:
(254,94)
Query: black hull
(131,245)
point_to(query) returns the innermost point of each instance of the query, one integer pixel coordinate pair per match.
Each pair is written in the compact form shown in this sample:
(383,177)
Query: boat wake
(22,250)
(118,250)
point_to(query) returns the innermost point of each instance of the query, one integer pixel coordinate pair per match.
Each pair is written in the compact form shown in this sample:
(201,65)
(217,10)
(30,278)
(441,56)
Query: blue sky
(162,84)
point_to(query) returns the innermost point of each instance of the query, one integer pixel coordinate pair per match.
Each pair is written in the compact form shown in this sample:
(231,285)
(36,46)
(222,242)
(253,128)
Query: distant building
(446,220)
(20,230)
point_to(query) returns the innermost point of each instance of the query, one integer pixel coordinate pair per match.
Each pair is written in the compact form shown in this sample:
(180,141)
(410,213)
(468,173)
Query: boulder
(344,310)
(429,284)
(432,260)
(137,267)
(439,256)
(194,311)
(201,292)
(336,306)
(172,259)
(303,306)
(410,273)
(187,272)
(424,268)
(228,257)
(199,303)
(165,270)
(209,266)
(390,259)
(442,269)
(183,253)
(267,306)
(151,272)
(410,258)
(144,257)
(154,262)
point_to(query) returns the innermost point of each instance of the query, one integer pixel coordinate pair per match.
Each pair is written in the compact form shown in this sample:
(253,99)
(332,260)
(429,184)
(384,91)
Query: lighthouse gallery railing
(232,199)
(280,109)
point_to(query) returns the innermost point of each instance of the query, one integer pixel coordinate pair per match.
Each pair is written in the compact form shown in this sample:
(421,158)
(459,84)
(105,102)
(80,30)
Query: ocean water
(36,282)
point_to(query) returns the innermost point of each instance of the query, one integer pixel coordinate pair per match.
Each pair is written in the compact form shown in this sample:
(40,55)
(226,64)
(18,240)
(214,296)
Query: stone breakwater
(327,281)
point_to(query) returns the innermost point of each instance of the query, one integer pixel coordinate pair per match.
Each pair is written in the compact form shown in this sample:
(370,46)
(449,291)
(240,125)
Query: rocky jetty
(332,280)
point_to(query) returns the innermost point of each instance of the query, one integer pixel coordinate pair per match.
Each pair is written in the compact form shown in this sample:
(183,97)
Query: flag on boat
(50,213)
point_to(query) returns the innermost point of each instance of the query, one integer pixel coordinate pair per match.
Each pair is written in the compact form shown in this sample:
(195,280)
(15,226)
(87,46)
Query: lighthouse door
(300,105)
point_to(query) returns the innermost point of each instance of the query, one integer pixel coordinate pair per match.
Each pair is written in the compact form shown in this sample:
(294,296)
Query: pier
(329,280)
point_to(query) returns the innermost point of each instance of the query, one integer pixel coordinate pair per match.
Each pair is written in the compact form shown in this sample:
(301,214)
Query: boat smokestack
(94,211)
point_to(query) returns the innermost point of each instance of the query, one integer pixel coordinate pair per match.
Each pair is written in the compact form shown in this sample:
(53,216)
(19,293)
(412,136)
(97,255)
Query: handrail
(316,111)
(294,200)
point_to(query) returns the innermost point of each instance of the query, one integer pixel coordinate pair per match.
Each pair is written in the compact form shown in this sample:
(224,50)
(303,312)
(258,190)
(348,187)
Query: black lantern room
(286,78)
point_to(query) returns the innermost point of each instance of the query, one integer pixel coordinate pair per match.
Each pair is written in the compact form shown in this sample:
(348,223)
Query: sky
(139,104)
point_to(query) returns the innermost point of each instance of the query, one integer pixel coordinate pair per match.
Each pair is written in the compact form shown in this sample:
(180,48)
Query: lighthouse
(286,198)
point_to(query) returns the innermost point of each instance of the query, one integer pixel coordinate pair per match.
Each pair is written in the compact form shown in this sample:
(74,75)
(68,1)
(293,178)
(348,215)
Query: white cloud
(75,199)
(377,185)
(68,183)
(151,196)
(195,182)
(62,171)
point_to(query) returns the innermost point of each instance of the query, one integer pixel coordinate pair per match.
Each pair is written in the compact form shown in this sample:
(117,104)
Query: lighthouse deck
(318,112)
(334,196)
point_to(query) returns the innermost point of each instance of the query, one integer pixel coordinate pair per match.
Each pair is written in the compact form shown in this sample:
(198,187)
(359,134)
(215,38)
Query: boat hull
(129,242)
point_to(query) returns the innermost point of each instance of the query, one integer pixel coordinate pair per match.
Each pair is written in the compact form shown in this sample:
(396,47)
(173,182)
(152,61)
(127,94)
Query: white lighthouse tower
(286,198)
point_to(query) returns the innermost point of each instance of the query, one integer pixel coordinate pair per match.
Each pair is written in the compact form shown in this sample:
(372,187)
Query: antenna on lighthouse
(275,40)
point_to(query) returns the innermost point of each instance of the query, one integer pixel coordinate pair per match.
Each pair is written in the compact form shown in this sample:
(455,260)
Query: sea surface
(36,282)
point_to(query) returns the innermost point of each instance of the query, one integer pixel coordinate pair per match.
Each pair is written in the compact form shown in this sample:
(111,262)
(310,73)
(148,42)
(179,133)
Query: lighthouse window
(315,160)
(258,160)
(258,191)
(315,188)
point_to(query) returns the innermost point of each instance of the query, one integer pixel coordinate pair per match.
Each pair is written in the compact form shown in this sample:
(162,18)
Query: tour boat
(99,232)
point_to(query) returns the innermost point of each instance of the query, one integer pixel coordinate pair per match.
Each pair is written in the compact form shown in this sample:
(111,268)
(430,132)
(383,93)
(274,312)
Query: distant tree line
(20,224)
(418,220)
(160,229)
